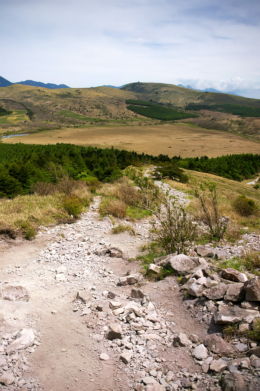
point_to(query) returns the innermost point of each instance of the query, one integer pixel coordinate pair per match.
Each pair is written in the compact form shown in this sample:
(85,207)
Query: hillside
(181,96)
(74,107)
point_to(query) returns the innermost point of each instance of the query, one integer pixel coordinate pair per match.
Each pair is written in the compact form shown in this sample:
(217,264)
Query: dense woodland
(23,165)
(151,110)
(236,167)
(242,111)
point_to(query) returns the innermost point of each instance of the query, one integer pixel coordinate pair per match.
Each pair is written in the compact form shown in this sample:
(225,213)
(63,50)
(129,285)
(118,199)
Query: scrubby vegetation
(242,111)
(4,112)
(245,206)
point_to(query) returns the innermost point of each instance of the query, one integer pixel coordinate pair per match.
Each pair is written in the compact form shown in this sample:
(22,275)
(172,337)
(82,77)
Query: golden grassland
(227,191)
(169,139)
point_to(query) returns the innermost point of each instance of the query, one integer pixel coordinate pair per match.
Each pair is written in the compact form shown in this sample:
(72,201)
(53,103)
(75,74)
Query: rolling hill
(70,107)
(181,96)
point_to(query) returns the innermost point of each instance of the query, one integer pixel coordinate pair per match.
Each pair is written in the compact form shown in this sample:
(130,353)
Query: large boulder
(217,345)
(181,264)
(14,293)
(252,288)
(217,292)
(235,292)
(234,314)
(233,382)
(233,275)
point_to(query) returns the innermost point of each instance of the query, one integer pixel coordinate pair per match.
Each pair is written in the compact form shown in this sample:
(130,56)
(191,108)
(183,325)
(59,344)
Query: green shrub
(245,206)
(73,205)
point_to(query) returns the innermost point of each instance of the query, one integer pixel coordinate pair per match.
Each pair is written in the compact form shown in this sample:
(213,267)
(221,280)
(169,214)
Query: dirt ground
(68,356)
(176,139)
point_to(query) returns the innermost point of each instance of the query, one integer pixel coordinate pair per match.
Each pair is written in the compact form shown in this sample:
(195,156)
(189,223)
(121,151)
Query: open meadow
(169,139)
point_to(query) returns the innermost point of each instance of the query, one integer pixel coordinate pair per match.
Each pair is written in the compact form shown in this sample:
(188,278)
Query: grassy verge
(24,214)
(228,191)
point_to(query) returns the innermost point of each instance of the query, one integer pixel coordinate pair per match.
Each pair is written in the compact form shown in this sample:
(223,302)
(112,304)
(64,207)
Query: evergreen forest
(22,165)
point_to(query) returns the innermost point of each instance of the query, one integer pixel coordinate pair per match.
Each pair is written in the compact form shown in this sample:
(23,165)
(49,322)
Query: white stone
(104,357)
(200,352)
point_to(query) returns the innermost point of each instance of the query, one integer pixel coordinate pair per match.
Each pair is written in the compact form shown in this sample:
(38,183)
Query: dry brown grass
(27,213)
(116,208)
(227,191)
(170,139)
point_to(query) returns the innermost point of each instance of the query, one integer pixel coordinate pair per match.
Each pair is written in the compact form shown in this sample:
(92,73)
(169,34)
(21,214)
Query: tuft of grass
(28,229)
(114,207)
(124,228)
(231,330)
(250,262)
(255,334)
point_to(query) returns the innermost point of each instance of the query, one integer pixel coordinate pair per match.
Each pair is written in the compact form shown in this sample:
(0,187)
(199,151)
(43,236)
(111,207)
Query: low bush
(245,206)
(73,205)
(209,202)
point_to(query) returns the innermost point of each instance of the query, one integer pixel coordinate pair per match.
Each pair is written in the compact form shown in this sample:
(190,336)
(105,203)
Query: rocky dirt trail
(84,318)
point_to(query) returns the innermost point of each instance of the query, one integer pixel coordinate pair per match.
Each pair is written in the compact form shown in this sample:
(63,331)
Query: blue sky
(82,43)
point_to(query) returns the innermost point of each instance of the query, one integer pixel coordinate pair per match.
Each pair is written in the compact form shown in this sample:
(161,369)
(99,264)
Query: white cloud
(86,43)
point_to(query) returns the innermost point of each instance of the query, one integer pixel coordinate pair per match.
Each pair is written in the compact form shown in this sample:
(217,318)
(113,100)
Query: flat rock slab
(234,314)
(15,293)
(233,275)
(235,292)
(204,251)
(216,292)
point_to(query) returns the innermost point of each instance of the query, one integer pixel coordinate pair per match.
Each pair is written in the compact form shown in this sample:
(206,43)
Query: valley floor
(170,139)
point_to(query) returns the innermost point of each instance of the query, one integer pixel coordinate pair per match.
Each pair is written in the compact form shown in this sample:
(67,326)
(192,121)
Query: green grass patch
(136,213)
(123,228)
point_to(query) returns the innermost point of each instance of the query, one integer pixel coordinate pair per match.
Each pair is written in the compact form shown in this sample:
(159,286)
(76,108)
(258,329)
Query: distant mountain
(208,90)
(114,86)
(4,82)
(39,84)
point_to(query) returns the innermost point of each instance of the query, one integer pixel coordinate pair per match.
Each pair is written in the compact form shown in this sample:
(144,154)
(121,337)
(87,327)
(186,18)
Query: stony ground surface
(90,321)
